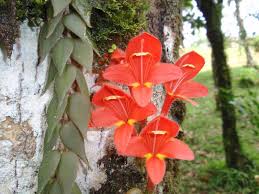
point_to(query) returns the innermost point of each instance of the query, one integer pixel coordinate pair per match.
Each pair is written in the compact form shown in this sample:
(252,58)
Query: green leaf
(79,111)
(55,188)
(84,9)
(90,40)
(74,23)
(47,188)
(64,82)
(76,189)
(80,79)
(46,44)
(54,113)
(61,53)
(83,53)
(51,74)
(48,168)
(59,5)
(73,140)
(67,171)
(52,24)
(53,138)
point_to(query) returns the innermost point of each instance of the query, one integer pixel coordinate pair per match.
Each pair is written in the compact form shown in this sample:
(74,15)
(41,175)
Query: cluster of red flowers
(139,68)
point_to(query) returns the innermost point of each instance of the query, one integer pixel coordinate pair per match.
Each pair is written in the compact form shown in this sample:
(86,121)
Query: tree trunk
(212,13)
(164,21)
(242,36)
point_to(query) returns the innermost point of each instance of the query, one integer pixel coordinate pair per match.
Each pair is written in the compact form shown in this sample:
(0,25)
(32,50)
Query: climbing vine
(66,39)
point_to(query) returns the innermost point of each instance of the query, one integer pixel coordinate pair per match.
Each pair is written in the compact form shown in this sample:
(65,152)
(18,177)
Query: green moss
(32,10)
(116,21)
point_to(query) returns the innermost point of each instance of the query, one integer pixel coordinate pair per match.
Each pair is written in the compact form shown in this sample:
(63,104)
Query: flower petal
(136,147)
(191,63)
(106,91)
(161,124)
(155,169)
(144,43)
(103,117)
(119,73)
(122,136)
(164,72)
(118,54)
(177,149)
(192,89)
(142,95)
(140,113)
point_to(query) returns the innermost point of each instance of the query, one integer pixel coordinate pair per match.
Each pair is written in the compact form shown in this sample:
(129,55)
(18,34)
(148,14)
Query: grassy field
(207,174)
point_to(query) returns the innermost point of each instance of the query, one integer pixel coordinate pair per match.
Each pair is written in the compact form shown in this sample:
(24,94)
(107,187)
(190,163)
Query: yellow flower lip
(161,156)
(113,97)
(159,132)
(135,84)
(170,93)
(189,65)
(119,123)
(131,121)
(141,54)
(148,156)
(148,84)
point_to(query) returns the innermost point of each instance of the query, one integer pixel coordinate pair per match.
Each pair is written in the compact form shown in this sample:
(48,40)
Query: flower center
(159,156)
(130,122)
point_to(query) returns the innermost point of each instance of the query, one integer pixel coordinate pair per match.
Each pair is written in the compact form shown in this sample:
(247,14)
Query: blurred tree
(165,22)
(212,12)
(243,35)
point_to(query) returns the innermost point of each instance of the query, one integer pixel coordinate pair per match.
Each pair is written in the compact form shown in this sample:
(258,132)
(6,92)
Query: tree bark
(243,36)
(212,13)
(164,21)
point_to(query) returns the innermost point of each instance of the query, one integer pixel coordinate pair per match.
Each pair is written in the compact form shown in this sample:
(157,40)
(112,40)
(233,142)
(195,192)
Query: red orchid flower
(117,57)
(142,69)
(117,108)
(184,88)
(155,143)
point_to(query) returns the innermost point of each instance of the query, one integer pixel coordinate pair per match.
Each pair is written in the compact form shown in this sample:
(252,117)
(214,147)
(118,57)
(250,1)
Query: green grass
(202,125)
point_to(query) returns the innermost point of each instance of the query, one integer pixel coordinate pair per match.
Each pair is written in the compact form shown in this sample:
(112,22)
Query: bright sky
(229,24)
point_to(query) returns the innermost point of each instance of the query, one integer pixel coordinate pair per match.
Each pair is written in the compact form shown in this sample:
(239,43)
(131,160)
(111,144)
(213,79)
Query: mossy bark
(164,21)
(12,13)
(212,13)
(9,29)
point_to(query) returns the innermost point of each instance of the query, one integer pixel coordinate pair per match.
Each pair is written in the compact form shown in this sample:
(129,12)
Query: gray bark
(243,36)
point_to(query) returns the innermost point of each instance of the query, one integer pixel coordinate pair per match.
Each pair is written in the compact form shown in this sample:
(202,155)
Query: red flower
(155,143)
(142,68)
(116,108)
(184,88)
(118,57)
